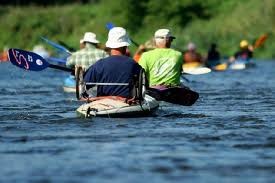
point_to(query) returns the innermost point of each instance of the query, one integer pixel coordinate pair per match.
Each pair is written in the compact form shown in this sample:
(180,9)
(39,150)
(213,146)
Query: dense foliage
(200,21)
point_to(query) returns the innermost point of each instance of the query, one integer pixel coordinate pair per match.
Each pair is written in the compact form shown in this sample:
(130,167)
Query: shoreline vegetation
(223,22)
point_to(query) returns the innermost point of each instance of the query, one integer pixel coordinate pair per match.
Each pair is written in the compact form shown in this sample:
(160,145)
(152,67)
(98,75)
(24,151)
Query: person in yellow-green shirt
(163,65)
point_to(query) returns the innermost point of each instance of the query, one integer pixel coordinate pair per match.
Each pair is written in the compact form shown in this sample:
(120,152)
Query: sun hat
(90,37)
(117,38)
(164,33)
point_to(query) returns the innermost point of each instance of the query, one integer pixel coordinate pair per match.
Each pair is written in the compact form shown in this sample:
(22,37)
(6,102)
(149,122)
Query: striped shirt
(86,57)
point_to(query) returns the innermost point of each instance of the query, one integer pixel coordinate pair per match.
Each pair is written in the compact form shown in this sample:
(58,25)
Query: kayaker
(117,68)
(81,43)
(4,55)
(191,55)
(162,65)
(213,56)
(245,53)
(88,55)
(148,45)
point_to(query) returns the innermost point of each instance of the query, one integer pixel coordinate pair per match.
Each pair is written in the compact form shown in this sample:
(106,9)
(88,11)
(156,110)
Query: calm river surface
(227,136)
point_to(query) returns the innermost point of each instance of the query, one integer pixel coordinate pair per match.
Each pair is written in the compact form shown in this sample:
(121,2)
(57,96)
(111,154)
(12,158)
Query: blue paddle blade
(27,60)
(55,45)
(109,25)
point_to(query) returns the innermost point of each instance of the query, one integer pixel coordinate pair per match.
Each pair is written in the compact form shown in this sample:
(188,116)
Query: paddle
(260,41)
(176,95)
(55,59)
(34,62)
(31,61)
(110,25)
(56,45)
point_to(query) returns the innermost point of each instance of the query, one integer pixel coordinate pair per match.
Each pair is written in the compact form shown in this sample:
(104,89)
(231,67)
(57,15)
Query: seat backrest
(139,86)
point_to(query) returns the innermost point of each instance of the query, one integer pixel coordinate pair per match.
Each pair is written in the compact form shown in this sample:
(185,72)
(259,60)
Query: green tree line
(202,22)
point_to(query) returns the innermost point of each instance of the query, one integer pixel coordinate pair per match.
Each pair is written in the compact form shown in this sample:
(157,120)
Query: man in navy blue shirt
(114,75)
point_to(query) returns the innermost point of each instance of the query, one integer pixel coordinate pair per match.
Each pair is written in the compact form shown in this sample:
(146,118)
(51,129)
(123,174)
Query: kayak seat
(138,88)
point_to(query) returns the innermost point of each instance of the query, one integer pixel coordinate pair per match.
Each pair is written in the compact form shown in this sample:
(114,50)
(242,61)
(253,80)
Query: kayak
(220,67)
(195,68)
(240,65)
(69,84)
(114,107)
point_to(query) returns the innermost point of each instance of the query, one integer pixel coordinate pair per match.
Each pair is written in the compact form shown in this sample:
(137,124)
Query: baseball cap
(164,33)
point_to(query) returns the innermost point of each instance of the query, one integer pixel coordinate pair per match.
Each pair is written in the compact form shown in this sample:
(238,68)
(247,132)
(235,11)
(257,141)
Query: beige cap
(164,33)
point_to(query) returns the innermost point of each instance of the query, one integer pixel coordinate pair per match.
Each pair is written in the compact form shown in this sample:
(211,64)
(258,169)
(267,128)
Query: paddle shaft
(61,68)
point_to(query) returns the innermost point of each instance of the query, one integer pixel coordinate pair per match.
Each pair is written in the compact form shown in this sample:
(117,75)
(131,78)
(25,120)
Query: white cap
(117,38)
(164,33)
(90,37)
(81,41)
(191,46)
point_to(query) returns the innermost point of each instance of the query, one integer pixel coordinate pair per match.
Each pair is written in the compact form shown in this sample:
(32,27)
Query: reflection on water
(227,135)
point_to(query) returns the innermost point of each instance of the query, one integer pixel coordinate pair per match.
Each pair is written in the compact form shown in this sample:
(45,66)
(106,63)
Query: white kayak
(111,107)
(195,68)
(240,65)
(196,71)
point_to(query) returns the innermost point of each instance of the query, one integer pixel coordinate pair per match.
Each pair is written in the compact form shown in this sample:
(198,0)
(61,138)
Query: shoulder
(176,52)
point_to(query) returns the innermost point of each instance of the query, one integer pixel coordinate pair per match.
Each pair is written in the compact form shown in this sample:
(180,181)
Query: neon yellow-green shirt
(162,66)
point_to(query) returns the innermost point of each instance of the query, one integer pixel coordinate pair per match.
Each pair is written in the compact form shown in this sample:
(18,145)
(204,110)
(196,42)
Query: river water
(228,135)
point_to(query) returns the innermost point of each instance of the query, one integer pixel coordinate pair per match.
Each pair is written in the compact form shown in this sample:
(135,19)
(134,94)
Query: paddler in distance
(245,52)
(192,56)
(88,55)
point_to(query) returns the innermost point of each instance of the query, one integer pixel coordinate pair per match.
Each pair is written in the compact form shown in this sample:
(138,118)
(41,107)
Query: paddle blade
(55,45)
(109,26)
(176,95)
(260,41)
(27,60)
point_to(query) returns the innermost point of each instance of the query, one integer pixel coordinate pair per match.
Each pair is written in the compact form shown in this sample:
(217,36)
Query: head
(244,44)
(213,46)
(191,46)
(163,38)
(81,43)
(90,37)
(118,40)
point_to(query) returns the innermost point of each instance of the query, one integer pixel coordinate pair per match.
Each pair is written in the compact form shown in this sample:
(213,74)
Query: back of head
(244,44)
(213,46)
(191,46)
(117,38)
(90,37)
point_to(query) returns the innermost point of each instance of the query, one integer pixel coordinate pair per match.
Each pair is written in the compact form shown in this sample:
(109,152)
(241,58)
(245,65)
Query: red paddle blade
(260,41)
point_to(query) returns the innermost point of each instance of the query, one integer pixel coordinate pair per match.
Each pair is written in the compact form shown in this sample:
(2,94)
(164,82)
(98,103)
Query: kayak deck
(108,107)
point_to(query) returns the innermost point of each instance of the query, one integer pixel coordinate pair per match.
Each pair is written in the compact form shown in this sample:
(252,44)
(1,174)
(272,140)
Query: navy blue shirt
(113,69)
